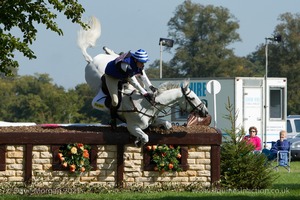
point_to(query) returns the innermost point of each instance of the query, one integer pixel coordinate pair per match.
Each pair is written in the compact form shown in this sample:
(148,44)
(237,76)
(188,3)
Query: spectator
(253,139)
(280,145)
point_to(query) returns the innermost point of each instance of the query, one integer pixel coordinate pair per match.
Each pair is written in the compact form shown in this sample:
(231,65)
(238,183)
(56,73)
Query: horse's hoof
(138,143)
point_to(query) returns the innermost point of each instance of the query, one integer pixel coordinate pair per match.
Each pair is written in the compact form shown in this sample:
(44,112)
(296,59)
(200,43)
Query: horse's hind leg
(141,137)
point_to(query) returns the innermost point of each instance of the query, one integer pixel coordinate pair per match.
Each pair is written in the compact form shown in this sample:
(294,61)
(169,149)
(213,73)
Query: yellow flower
(74,150)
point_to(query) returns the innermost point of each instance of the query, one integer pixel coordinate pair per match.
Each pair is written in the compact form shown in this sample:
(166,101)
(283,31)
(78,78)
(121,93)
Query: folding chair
(284,160)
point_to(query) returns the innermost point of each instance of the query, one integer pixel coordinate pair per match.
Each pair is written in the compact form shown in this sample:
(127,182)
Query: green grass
(287,186)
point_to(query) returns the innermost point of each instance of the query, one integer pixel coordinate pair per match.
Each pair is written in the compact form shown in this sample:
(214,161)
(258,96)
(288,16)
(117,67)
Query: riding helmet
(141,55)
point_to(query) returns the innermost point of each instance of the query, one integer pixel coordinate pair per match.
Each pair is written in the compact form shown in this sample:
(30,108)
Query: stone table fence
(31,156)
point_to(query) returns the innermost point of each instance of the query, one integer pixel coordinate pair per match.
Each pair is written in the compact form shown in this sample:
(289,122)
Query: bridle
(190,99)
(185,94)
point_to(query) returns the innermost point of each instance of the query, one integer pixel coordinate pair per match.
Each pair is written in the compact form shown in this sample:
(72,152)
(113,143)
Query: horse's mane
(168,85)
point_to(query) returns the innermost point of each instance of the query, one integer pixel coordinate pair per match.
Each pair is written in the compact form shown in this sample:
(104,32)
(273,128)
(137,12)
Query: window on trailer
(276,103)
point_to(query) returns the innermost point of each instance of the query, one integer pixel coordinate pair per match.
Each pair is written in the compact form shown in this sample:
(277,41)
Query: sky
(134,24)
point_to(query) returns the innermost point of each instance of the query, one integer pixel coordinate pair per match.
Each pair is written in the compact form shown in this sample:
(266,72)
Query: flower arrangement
(76,157)
(165,157)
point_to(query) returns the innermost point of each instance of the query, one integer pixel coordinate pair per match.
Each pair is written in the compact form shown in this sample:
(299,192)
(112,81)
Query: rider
(126,67)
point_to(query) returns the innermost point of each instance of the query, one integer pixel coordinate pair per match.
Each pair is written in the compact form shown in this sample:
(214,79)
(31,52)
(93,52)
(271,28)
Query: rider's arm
(136,84)
(145,79)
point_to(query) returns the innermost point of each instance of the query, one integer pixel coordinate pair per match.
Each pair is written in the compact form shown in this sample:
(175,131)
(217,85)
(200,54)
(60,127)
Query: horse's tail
(87,37)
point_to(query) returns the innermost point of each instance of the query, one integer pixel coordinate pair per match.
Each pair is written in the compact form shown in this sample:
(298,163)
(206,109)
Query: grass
(287,186)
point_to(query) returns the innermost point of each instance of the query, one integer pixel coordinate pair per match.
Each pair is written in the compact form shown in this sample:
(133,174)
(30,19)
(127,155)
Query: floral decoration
(165,157)
(75,157)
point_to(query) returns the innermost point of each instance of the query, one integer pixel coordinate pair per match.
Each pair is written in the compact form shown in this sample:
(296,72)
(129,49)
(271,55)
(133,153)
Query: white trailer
(247,95)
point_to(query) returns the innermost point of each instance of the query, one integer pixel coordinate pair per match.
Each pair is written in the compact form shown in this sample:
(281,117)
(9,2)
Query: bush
(241,168)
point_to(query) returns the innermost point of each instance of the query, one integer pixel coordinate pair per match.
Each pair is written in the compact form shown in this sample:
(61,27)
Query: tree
(241,168)
(86,113)
(22,15)
(167,71)
(203,35)
(284,57)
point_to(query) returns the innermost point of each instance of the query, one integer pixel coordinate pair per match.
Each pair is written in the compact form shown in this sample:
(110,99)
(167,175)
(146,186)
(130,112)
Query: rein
(165,113)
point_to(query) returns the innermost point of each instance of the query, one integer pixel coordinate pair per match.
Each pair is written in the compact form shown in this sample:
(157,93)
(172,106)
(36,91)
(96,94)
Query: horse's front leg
(161,122)
(141,137)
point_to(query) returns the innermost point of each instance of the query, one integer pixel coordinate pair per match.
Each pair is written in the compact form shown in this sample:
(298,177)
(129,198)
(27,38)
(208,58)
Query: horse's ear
(186,83)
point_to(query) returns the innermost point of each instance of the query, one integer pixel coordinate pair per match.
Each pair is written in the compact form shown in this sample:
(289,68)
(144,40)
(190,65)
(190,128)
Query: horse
(135,110)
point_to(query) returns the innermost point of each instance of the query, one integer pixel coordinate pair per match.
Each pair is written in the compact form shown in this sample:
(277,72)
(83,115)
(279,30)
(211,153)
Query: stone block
(15,167)
(15,154)
(41,161)
(41,148)
(37,167)
(15,179)
(193,155)
(36,154)
(46,155)
(10,161)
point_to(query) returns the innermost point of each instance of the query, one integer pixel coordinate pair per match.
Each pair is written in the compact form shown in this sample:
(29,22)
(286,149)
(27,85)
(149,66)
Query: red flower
(80,146)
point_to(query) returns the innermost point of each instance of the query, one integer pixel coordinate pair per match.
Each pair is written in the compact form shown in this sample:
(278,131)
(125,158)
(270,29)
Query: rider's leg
(112,86)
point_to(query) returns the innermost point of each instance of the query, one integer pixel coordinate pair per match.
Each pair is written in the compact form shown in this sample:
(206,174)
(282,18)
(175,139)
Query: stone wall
(105,173)
(120,164)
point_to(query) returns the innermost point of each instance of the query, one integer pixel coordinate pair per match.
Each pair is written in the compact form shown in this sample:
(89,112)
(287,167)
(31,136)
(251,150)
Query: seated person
(280,145)
(253,139)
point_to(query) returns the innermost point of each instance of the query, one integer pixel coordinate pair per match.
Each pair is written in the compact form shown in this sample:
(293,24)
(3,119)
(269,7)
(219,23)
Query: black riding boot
(113,115)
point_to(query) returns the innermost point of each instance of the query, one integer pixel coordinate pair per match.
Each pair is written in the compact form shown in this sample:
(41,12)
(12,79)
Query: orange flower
(60,156)
(171,166)
(72,168)
(65,164)
(154,147)
(149,147)
(171,147)
(82,169)
(179,156)
(86,153)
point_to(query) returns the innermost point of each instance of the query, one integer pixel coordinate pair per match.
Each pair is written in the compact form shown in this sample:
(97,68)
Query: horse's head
(191,102)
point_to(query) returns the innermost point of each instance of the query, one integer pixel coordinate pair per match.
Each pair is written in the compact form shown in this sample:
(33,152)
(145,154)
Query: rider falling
(125,68)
